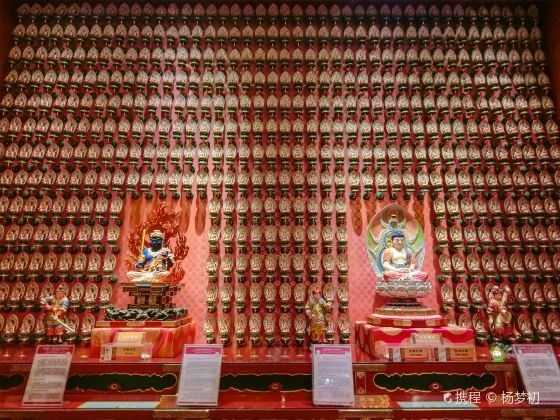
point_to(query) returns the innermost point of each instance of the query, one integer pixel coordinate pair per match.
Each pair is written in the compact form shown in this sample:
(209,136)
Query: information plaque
(200,375)
(333,382)
(539,370)
(48,376)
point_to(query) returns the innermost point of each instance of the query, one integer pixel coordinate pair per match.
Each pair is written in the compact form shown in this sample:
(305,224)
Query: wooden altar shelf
(287,412)
(254,381)
(285,406)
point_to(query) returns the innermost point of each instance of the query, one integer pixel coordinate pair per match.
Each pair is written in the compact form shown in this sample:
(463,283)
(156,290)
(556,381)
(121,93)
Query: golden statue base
(405,313)
(151,295)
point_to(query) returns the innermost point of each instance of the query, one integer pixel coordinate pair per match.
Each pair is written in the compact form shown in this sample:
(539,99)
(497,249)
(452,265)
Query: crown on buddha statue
(397,233)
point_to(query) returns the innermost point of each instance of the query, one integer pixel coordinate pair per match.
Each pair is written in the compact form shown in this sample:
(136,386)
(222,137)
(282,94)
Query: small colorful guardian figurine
(315,310)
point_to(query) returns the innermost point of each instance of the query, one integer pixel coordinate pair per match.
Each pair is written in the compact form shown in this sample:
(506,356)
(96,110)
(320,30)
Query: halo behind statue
(380,230)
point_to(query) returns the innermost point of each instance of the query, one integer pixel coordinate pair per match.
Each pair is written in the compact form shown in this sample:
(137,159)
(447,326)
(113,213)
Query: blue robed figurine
(154,262)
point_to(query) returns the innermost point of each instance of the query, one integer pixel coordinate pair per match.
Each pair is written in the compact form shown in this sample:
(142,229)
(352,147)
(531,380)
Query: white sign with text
(48,376)
(200,375)
(333,382)
(539,370)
